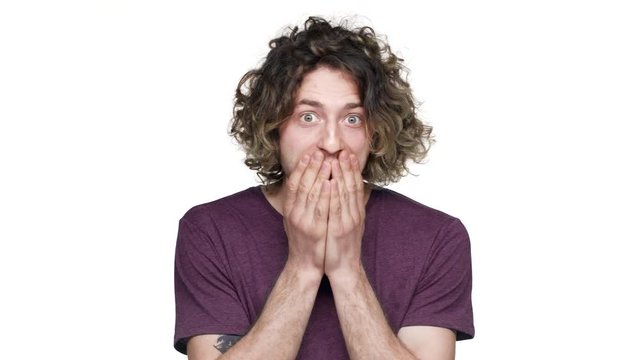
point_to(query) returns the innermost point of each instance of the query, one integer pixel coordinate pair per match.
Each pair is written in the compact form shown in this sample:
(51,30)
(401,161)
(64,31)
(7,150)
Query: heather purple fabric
(230,252)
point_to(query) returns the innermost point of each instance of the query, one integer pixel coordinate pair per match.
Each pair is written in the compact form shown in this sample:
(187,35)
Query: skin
(328,127)
(322,199)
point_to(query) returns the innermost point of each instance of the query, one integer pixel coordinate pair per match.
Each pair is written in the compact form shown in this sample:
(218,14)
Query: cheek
(293,145)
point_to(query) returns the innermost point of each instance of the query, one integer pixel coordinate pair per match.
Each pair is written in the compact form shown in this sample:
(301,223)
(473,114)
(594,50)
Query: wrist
(347,275)
(307,274)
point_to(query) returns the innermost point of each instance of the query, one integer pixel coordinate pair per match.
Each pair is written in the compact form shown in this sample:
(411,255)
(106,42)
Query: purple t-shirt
(230,252)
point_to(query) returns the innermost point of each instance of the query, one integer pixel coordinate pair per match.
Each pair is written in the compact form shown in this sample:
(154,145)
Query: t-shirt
(230,252)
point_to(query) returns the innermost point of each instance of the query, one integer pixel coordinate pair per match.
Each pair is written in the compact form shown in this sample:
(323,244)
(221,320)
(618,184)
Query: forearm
(278,332)
(364,326)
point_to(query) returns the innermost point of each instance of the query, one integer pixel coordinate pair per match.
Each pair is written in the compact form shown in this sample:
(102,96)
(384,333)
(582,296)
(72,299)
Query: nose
(330,139)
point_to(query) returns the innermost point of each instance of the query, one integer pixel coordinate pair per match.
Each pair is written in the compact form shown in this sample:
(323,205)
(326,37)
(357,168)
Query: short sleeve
(206,300)
(443,294)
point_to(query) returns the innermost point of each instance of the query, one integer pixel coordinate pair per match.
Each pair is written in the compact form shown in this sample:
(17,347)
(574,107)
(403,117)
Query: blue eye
(308,117)
(353,120)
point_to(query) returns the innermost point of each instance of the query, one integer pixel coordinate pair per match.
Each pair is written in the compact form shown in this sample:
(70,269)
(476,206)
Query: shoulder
(406,223)
(396,207)
(203,215)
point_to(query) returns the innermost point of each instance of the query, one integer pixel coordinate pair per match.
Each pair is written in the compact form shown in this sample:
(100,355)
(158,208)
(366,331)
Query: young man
(320,263)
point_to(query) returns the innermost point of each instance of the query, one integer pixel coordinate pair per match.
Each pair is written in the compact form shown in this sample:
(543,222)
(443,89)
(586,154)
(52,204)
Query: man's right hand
(306,210)
(285,315)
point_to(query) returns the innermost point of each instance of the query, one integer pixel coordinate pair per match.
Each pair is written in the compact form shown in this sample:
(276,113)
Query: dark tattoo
(225,342)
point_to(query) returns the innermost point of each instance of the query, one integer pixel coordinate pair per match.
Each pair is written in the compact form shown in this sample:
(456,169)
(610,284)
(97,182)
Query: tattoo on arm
(225,342)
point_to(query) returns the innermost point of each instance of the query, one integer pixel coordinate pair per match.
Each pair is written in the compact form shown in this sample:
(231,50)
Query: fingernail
(305,160)
(317,155)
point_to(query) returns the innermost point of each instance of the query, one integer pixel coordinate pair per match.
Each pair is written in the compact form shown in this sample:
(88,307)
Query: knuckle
(303,187)
(291,186)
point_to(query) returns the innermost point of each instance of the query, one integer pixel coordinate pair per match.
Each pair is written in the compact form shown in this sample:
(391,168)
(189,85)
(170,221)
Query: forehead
(329,83)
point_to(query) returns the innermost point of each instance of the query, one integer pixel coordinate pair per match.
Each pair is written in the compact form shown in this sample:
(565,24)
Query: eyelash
(348,116)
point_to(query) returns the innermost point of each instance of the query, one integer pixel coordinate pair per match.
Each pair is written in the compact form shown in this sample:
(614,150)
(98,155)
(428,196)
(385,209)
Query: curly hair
(265,96)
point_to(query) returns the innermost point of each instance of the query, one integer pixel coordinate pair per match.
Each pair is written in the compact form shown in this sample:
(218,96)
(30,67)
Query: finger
(350,185)
(293,180)
(357,175)
(316,191)
(335,208)
(343,195)
(347,171)
(322,208)
(308,179)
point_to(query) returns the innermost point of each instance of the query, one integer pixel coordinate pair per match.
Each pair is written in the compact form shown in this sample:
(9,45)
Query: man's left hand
(346,217)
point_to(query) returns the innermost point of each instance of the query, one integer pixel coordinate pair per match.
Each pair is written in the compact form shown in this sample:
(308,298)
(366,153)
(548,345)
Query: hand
(305,212)
(346,216)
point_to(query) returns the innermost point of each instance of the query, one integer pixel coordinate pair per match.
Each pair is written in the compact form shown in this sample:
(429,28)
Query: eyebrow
(318,104)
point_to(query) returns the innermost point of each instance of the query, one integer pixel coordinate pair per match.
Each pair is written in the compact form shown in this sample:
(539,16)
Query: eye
(353,120)
(308,117)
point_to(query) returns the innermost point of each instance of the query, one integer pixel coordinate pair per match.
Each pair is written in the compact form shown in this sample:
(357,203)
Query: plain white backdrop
(114,118)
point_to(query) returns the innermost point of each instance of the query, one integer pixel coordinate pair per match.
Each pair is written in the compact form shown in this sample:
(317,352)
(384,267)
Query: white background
(113,123)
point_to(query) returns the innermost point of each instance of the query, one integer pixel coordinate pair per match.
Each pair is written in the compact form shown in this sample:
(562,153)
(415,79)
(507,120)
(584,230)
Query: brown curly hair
(265,98)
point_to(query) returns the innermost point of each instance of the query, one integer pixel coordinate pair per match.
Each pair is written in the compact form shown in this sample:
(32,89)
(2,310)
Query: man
(320,263)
